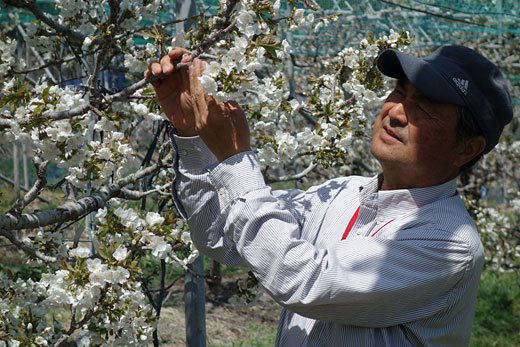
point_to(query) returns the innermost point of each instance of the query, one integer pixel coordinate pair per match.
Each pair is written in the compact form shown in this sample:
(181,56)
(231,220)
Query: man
(392,260)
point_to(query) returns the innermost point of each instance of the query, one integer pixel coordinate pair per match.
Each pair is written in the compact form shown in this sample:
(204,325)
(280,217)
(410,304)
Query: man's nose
(397,114)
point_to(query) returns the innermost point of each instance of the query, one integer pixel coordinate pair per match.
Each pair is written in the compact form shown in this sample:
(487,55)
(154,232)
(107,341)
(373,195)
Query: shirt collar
(402,200)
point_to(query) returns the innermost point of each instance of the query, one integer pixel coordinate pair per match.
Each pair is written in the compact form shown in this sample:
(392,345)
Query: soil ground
(228,323)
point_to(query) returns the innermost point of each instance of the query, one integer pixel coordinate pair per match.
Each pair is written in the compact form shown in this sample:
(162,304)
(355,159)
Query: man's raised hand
(172,88)
(221,125)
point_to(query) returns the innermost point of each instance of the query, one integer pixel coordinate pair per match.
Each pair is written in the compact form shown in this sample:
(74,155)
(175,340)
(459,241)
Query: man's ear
(469,149)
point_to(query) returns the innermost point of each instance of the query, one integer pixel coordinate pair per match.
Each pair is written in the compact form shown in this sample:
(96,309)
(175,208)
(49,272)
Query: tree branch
(26,248)
(72,210)
(32,6)
(123,95)
(292,177)
(10,181)
(51,63)
(41,172)
(128,194)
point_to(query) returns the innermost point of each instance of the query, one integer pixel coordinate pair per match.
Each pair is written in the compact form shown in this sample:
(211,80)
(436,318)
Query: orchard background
(91,242)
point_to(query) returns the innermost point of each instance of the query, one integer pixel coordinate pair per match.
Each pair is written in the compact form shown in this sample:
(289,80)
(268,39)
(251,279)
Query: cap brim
(423,75)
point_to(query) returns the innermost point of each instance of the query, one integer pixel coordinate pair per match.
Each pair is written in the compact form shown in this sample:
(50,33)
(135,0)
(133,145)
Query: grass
(23,271)
(259,335)
(497,318)
(6,198)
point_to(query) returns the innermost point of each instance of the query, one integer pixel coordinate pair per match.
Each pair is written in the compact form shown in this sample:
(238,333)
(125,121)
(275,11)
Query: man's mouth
(391,133)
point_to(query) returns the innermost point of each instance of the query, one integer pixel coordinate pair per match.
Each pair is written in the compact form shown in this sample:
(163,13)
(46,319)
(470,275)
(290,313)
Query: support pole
(195,304)
(194,293)
(25,167)
(16,171)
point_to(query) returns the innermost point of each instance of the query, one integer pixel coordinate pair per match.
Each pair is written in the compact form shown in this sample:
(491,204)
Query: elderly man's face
(416,136)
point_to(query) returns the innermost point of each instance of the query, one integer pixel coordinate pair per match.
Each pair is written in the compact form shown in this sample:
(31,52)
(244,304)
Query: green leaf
(104,252)
(17,97)
(45,95)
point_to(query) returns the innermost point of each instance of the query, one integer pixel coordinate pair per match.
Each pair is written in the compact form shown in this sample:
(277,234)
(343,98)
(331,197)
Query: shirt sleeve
(198,202)
(204,207)
(363,281)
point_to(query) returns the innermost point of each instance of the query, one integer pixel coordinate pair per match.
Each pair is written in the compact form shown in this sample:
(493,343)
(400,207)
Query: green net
(489,26)
(492,27)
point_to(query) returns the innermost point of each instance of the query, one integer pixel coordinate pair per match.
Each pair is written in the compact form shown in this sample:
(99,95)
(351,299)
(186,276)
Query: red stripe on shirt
(351,223)
(382,226)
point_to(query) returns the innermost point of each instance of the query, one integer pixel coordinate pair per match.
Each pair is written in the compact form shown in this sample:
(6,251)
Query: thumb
(200,107)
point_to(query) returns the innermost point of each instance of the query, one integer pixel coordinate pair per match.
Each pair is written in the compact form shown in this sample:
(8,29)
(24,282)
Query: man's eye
(395,93)
(424,110)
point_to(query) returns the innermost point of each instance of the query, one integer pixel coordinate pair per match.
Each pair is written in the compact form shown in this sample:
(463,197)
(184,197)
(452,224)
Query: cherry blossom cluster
(339,106)
(95,292)
(7,56)
(99,297)
(102,290)
(495,204)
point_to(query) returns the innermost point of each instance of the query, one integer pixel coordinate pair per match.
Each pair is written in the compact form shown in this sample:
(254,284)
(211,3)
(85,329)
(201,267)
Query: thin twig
(32,6)
(41,173)
(26,248)
(169,286)
(149,295)
(333,90)
(128,194)
(309,117)
(105,45)
(51,63)
(142,97)
(295,177)
(347,102)
(6,123)
(76,325)
(11,182)
(295,63)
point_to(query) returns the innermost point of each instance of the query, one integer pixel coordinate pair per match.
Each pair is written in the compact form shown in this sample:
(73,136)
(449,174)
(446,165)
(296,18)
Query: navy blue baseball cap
(457,75)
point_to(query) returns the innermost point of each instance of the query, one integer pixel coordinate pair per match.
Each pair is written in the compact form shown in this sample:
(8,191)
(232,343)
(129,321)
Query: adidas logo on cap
(462,84)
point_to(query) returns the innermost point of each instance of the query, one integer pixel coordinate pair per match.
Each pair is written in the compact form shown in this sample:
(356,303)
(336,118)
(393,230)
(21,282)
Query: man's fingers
(147,73)
(176,53)
(186,58)
(197,94)
(195,71)
(166,65)
(211,102)
(234,106)
(197,67)
(200,110)
(156,69)
(153,66)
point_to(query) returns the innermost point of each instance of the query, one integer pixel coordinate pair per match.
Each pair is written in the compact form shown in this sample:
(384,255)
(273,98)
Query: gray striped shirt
(406,274)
